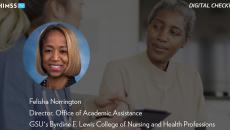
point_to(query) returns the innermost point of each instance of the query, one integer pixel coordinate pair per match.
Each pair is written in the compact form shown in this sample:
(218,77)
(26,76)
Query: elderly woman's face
(166,34)
(55,54)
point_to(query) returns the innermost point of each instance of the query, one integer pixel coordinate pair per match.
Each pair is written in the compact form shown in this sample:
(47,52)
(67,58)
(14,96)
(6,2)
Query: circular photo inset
(56,55)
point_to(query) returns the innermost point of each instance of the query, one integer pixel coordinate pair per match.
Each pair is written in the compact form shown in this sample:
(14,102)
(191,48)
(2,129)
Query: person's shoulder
(190,77)
(126,62)
(185,69)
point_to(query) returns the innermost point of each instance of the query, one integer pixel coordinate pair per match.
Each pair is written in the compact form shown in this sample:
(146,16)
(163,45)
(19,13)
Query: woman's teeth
(55,67)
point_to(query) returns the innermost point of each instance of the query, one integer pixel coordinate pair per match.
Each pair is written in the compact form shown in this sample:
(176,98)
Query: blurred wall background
(111,28)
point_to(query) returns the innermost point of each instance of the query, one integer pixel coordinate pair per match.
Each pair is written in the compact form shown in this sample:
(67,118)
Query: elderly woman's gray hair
(176,5)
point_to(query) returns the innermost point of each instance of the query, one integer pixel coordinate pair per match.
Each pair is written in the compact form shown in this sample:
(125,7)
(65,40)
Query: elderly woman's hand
(107,103)
(112,103)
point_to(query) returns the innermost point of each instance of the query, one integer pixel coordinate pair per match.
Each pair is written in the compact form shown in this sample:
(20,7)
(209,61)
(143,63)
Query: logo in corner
(21,5)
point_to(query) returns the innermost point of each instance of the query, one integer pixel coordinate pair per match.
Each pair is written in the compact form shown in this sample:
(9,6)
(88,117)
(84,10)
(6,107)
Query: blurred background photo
(116,29)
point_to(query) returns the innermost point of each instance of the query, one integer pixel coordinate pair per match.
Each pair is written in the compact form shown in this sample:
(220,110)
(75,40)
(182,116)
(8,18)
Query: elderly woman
(152,80)
(58,57)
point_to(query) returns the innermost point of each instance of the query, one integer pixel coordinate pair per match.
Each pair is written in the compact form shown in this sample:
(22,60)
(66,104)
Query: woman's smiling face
(55,54)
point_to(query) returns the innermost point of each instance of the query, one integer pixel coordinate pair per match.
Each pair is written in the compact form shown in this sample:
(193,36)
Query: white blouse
(178,90)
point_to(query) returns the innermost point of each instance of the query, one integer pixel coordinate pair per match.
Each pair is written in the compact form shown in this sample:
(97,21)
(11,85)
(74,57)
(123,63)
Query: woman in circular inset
(58,57)
(15,27)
